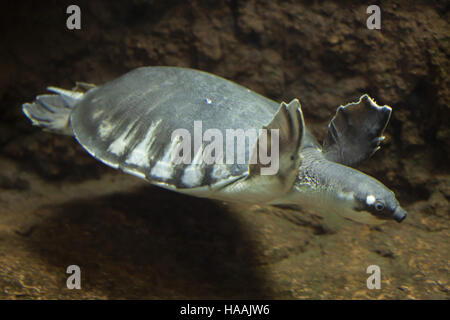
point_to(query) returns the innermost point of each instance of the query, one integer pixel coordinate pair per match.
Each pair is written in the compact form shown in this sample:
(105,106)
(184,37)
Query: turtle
(143,122)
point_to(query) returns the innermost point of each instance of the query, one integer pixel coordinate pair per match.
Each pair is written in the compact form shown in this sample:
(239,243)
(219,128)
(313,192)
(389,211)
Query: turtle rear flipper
(355,132)
(51,111)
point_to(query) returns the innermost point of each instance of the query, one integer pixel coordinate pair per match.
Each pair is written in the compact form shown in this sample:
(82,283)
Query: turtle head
(372,197)
(362,198)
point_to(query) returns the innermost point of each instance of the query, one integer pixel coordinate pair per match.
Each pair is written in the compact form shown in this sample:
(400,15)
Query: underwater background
(61,207)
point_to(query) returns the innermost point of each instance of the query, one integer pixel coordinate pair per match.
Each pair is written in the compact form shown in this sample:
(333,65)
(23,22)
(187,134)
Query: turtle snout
(399,214)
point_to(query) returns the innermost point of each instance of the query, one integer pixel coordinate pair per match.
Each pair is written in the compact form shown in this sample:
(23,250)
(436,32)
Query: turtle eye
(379,205)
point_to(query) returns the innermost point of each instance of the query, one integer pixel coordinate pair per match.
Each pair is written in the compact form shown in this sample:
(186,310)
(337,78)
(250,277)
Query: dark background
(58,206)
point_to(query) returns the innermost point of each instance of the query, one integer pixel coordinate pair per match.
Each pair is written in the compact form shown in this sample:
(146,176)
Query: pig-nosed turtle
(143,122)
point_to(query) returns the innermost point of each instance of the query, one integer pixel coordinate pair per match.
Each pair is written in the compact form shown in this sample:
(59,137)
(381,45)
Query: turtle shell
(128,123)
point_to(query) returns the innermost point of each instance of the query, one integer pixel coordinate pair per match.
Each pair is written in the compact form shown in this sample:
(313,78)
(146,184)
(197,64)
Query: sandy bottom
(132,240)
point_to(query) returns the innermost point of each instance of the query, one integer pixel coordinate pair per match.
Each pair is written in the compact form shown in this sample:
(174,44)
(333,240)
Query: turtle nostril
(399,214)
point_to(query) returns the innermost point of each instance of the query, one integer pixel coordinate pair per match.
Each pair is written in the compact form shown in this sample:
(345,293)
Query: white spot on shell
(193,174)
(165,167)
(370,200)
(162,170)
(105,129)
(208,101)
(140,154)
(120,144)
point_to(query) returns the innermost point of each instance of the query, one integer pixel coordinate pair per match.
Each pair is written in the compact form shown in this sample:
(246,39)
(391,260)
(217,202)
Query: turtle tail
(51,111)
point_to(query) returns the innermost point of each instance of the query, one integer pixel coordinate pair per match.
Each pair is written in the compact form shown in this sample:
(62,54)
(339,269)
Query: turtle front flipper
(282,139)
(355,132)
